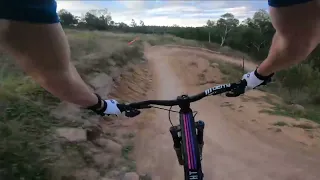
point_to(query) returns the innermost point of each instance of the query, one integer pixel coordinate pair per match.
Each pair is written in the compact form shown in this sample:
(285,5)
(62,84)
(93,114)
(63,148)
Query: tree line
(252,36)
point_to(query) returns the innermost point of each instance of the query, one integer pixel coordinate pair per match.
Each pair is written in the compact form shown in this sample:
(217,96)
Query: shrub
(300,84)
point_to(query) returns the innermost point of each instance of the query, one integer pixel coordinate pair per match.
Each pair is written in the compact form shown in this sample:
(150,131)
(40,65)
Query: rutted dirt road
(239,141)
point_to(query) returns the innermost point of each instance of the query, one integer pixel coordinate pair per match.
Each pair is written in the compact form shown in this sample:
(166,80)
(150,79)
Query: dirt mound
(102,148)
(241,142)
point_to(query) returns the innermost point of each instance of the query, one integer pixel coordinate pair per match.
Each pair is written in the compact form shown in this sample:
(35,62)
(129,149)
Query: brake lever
(238,89)
(130,111)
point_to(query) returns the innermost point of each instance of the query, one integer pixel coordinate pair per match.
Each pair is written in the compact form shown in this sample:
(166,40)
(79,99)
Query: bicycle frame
(188,145)
(190,142)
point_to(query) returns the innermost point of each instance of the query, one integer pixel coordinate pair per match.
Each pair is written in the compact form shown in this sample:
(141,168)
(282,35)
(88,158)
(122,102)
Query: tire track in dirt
(208,54)
(232,150)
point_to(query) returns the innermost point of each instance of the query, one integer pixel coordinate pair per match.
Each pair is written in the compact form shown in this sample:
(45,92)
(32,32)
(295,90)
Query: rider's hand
(254,80)
(106,107)
(249,81)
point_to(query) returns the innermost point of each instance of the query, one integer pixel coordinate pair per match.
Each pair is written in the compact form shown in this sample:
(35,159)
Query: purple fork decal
(192,142)
(187,140)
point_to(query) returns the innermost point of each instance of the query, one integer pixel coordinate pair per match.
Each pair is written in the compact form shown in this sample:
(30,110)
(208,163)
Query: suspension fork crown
(184,103)
(200,129)
(200,124)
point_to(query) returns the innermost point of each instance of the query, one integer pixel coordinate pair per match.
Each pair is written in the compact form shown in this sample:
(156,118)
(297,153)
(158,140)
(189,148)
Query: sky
(166,12)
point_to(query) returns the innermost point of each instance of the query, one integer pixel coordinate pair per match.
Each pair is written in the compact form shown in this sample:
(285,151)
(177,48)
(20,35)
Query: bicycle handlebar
(132,109)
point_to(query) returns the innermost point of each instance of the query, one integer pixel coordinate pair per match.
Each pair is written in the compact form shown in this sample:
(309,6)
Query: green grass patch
(280,123)
(126,150)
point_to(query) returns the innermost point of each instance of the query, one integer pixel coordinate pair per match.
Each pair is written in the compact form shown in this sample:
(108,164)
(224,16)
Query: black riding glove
(249,81)
(106,107)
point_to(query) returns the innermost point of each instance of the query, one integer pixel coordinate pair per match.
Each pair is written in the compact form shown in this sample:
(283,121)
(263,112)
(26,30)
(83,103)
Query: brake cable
(170,110)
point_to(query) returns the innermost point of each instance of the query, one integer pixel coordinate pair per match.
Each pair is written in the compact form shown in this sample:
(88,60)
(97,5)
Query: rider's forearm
(285,52)
(67,85)
(43,52)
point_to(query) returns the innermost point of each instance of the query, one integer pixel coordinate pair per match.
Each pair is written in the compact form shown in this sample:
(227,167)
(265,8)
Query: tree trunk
(258,46)
(223,38)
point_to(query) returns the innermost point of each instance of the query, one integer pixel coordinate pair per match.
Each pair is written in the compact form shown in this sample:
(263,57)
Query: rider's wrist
(261,77)
(100,107)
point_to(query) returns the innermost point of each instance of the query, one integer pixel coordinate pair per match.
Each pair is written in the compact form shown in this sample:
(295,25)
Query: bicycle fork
(176,136)
(200,130)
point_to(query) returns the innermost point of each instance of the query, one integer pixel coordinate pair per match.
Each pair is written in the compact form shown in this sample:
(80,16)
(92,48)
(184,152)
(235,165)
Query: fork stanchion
(174,130)
(200,130)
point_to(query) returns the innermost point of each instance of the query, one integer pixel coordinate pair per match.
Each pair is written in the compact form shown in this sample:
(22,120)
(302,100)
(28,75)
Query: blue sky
(165,12)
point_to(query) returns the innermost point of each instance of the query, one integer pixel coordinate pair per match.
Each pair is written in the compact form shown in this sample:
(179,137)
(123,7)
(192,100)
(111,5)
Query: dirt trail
(196,52)
(238,143)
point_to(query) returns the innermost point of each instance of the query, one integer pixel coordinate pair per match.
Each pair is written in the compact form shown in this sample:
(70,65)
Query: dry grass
(27,148)
(231,72)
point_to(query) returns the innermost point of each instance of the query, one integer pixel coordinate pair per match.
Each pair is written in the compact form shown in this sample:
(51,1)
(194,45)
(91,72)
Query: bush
(299,84)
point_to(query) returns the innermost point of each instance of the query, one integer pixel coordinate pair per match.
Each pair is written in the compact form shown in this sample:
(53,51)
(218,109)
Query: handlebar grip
(238,89)
(232,94)
(128,110)
(132,113)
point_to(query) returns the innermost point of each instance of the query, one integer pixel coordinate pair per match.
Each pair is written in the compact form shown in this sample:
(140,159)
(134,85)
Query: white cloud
(133,4)
(183,13)
(238,11)
(172,9)
(76,7)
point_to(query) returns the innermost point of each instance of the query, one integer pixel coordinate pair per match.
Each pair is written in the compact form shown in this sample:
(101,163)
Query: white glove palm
(254,79)
(105,107)
(112,107)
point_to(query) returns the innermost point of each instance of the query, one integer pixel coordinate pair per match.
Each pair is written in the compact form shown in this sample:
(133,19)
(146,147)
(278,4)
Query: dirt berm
(240,142)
